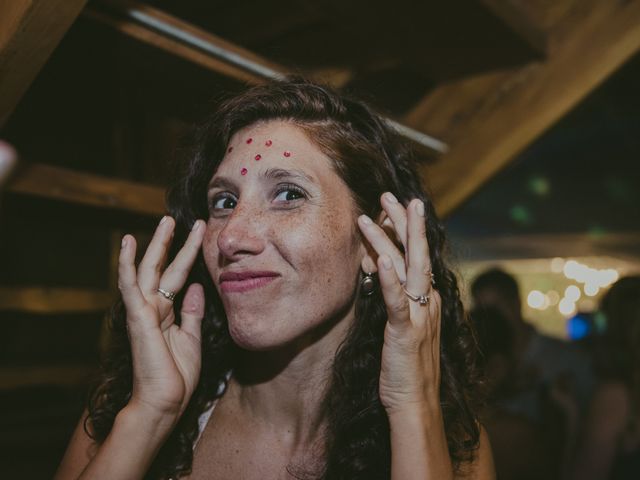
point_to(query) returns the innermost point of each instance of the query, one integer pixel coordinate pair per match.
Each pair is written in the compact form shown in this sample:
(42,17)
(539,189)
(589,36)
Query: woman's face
(281,243)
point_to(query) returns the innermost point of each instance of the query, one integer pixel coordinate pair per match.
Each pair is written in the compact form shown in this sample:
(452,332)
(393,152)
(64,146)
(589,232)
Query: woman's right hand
(166,356)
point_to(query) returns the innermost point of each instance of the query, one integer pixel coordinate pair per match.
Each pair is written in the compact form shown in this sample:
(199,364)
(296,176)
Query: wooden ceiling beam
(12,378)
(87,189)
(187,41)
(491,118)
(336,77)
(120,15)
(44,300)
(30,30)
(114,14)
(149,37)
(516,18)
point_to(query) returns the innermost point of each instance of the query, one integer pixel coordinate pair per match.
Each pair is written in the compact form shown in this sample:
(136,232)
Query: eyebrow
(281,174)
(271,173)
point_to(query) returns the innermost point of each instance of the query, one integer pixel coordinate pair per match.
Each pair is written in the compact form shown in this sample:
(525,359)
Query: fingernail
(420,208)
(196,226)
(391,197)
(124,242)
(386,262)
(366,220)
(163,219)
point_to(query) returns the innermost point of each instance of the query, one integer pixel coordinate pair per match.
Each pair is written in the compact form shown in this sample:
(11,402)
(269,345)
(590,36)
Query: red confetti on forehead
(249,140)
(287,154)
(243,171)
(268,143)
(230,149)
(258,157)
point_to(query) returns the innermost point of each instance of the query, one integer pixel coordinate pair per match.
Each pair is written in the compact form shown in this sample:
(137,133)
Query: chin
(253,334)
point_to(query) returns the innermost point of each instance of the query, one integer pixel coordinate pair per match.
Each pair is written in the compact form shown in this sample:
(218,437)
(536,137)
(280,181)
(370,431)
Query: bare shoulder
(481,467)
(78,454)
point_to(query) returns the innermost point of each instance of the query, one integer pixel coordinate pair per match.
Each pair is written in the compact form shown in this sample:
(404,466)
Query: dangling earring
(367,284)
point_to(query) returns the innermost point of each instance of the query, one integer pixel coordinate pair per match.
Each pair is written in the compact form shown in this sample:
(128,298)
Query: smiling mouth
(245,281)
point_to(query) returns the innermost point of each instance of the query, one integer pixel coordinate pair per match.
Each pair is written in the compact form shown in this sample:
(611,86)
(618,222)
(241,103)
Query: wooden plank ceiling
(486,77)
(29,32)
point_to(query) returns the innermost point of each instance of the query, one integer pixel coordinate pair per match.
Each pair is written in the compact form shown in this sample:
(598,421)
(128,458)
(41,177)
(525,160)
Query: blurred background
(525,114)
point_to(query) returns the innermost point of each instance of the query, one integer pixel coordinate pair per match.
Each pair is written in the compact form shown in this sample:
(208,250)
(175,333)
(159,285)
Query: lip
(246,280)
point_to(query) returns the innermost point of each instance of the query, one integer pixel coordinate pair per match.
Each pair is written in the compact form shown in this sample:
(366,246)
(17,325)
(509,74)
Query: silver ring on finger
(167,294)
(421,299)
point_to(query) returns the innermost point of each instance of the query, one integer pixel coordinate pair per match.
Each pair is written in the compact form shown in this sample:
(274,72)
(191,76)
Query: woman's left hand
(410,370)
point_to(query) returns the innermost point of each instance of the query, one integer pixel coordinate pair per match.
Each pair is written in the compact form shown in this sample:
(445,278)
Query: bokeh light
(572,293)
(557,264)
(540,186)
(536,299)
(554,297)
(591,289)
(520,215)
(567,307)
(579,326)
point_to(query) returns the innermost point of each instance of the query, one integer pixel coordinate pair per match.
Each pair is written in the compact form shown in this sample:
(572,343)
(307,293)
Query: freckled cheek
(328,251)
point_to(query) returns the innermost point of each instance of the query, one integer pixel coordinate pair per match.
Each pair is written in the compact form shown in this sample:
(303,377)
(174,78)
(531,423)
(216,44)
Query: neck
(283,390)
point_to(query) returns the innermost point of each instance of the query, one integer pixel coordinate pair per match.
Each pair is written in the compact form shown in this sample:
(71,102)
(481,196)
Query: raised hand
(166,356)
(410,371)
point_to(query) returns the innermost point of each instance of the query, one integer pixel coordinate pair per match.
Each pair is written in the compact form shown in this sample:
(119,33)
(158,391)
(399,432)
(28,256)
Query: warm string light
(592,280)
(589,276)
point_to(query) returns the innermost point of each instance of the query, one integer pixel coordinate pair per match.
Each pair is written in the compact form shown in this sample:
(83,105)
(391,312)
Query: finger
(155,256)
(175,276)
(397,214)
(382,244)
(418,261)
(394,297)
(434,322)
(127,278)
(192,311)
(435,304)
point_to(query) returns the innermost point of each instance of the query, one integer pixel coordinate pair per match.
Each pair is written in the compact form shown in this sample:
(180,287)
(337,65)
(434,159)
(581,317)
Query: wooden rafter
(516,18)
(65,375)
(52,301)
(489,119)
(87,189)
(113,13)
(29,32)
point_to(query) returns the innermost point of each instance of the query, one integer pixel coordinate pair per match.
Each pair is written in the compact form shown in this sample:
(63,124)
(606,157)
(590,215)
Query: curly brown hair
(371,158)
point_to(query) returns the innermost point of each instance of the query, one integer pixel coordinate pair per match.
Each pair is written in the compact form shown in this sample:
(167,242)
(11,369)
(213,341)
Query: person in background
(609,447)
(543,363)
(520,446)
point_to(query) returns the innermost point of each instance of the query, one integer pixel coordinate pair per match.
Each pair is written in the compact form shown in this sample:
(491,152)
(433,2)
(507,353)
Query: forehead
(274,144)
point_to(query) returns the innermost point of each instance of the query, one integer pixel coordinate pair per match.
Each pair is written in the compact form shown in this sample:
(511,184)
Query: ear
(369,259)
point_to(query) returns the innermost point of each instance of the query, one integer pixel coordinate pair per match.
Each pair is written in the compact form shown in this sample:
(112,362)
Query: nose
(243,233)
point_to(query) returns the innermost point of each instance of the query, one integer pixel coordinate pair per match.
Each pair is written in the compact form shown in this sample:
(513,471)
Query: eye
(289,193)
(223,201)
